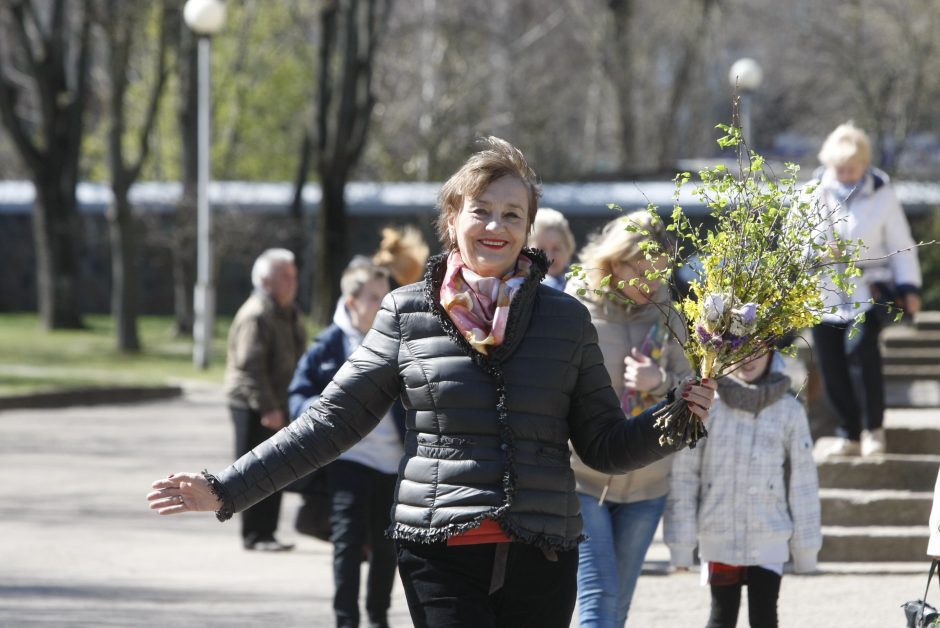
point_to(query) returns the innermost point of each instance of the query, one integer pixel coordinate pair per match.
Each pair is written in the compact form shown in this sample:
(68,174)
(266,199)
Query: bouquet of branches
(757,262)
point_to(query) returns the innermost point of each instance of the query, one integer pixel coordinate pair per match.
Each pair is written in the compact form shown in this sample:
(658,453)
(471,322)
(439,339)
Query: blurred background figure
(403,252)
(266,339)
(621,512)
(933,547)
(551,233)
(361,482)
(861,204)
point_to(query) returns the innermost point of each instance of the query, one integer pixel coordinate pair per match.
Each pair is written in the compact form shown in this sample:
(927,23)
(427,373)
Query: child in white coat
(748,495)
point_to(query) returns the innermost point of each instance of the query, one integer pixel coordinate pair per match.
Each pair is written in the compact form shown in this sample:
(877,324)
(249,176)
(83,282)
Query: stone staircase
(875,510)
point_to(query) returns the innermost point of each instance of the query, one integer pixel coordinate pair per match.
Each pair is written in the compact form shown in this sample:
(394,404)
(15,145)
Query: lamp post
(745,76)
(205,18)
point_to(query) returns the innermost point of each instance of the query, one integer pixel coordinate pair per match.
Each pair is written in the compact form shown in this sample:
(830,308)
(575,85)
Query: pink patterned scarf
(479,306)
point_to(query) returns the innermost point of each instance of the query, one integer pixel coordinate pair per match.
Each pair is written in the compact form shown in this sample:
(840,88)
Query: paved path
(78,546)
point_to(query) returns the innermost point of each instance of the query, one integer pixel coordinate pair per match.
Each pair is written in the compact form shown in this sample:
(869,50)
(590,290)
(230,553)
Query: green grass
(33,360)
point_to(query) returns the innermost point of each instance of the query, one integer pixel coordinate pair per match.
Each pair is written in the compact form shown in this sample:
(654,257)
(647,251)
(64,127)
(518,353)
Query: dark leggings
(361,501)
(856,410)
(763,589)
(259,523)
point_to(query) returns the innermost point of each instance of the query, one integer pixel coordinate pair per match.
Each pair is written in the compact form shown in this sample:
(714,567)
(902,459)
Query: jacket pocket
(551,456)
(445,447)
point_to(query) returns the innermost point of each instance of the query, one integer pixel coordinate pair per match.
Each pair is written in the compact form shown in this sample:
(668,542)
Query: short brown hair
(498,159)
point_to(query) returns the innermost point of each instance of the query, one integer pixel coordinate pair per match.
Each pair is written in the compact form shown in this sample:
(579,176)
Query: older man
(265,341)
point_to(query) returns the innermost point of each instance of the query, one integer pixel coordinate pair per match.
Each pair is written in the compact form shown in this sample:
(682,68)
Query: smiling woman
(497,374)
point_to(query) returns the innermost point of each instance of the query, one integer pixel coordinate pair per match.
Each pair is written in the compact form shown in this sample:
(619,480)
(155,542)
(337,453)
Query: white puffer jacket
(874,214)
(731,497)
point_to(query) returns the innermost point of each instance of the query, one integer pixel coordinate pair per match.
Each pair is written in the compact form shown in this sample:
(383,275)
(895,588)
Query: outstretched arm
(349,408)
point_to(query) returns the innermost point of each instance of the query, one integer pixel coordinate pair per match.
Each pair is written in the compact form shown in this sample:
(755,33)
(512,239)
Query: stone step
(913,440)
(912,393)
(912,371)
(890,471)
(848,507)
(901,337)
(911,356)
(874,543)
(927,321)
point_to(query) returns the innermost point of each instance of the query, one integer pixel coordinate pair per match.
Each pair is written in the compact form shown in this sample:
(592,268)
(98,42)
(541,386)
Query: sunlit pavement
(79,547)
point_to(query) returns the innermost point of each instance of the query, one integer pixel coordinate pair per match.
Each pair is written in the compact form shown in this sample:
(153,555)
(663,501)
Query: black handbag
(313,516)
(919,613)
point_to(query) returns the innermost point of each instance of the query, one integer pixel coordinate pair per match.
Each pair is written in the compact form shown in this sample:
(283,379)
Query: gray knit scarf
(756,396)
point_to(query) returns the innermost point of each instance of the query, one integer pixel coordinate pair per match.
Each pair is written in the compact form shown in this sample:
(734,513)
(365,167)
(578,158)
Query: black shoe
(268,545)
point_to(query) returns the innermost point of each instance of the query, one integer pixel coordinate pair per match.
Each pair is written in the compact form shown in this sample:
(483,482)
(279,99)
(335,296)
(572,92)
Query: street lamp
(745,76)
(205,18)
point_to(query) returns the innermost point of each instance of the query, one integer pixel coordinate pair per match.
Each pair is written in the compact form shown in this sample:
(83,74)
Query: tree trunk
(123,271)
(690,59)
(620,72)
(184,224)
(332,248)
(301,242)
(55,229)
(49,141)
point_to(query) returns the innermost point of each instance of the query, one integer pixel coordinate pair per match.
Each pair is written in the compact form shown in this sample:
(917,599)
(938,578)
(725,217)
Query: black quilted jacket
(487,436)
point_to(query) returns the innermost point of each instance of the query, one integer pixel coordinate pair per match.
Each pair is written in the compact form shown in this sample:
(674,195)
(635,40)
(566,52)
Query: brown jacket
(264,344)
(621,327)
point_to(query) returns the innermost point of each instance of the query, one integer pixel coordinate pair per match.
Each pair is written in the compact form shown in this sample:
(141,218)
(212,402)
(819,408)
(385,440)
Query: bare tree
(618,62)
(183,43)
(882,54)
(122,23)
(44,55)
(350,33)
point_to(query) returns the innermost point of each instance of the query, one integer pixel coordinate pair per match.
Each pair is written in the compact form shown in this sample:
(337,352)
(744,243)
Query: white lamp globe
(205,17)
(745,74)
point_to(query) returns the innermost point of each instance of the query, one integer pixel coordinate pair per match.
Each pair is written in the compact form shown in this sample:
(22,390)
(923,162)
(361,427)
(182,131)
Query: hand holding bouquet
(757,260)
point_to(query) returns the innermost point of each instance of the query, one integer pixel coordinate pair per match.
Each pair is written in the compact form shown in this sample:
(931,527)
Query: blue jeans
(612,558)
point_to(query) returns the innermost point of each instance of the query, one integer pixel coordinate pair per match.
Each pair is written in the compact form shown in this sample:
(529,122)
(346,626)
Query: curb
(90,397)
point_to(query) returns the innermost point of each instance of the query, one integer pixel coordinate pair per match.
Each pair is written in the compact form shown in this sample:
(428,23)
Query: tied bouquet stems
(757,263)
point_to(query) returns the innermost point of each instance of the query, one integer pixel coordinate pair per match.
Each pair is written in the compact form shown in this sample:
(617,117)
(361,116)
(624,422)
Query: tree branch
(28,150)
(155,94)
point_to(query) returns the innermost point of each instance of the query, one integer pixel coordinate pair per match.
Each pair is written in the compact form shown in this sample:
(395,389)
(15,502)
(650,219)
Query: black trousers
(448,587)
(763,589)
(361,507)
(858,404)
(260,521)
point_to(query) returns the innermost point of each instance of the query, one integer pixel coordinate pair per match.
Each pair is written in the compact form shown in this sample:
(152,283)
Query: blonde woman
(644,361)
(861,204)
(551,233)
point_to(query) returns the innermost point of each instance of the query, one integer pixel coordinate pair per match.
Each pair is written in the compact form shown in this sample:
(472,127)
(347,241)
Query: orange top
(487,532)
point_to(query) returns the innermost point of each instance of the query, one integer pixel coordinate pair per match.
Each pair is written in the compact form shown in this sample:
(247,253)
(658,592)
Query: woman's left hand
(699,395)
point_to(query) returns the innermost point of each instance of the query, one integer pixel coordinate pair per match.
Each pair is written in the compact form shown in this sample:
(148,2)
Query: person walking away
(551,233)
(635,325)
(747,496)
(497,374)
(858,202)
(266,339)
(361,482)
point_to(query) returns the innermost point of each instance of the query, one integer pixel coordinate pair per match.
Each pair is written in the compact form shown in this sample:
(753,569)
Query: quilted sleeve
(349,408)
